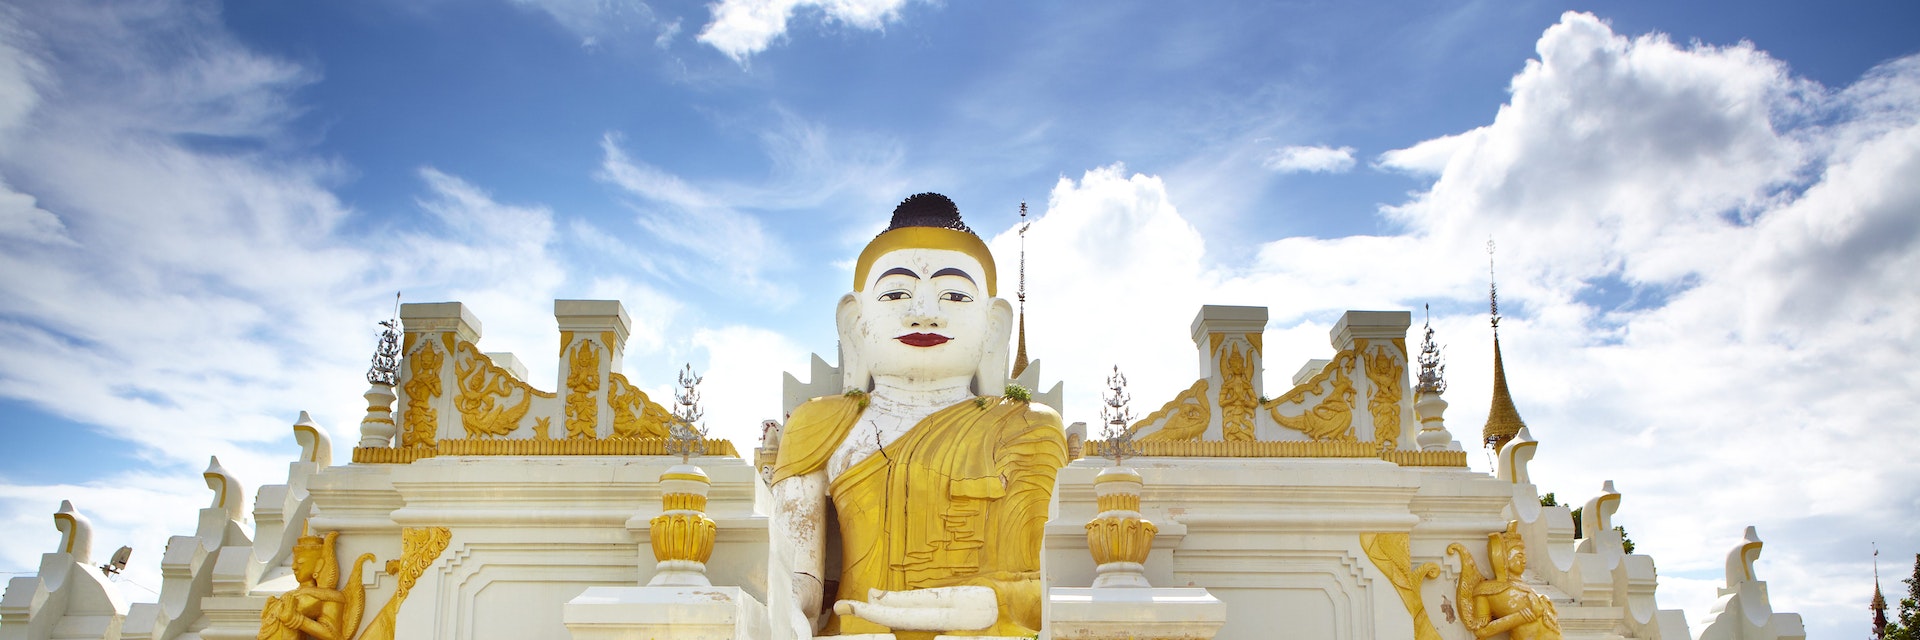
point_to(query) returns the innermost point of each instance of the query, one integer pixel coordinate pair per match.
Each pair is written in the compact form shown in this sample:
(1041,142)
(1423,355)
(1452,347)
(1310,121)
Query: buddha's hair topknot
(927,210)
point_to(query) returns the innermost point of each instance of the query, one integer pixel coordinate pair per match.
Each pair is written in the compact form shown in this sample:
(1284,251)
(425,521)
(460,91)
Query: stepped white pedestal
(665,613)
(1084,613)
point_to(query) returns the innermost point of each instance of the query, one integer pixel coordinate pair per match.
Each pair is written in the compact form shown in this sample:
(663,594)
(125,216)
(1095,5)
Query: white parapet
(665,613)
(1084,613)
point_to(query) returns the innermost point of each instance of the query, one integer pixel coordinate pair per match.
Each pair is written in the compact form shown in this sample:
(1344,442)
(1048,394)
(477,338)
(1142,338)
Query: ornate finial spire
(386,355)
(1493,291)
(1433,371)
(1503,421)
(1020,353)
(1879,604)
(1116,441)
(687,437)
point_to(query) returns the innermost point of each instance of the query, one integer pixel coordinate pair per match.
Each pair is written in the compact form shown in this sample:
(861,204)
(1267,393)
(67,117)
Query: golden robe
(960,499)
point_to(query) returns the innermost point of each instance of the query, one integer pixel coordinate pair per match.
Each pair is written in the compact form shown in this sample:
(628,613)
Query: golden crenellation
(502,447)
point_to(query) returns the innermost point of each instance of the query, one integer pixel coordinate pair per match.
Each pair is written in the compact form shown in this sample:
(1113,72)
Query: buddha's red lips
(923,339)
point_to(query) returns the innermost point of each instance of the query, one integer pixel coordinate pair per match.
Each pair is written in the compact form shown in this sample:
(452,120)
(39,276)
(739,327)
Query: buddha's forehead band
(925,238)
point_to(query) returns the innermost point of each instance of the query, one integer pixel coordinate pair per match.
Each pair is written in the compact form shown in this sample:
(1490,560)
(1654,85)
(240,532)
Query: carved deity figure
(318,608)
(1504,603)
(939,486)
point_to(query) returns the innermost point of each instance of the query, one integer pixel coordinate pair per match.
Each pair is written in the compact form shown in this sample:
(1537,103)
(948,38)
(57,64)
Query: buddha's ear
(991,379)
(854,374)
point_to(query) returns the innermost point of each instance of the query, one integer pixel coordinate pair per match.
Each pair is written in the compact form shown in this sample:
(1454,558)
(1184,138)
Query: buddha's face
(923,316)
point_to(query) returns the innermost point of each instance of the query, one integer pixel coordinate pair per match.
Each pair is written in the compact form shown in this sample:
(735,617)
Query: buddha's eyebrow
(950,271)
(901,271)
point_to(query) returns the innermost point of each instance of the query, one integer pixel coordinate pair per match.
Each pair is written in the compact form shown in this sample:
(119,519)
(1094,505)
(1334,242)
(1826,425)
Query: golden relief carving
(1120,538)
(634,414)
(423,385)
(1407,458)
(1236,394)
(1387,373)
(530,447)
(419,547)
(1391,554)
(319,607)
(1332,418)
(686,535)
(1118,502)
(583,378)
(1503,604)
(483,392)
(1187,415)
(1252,449)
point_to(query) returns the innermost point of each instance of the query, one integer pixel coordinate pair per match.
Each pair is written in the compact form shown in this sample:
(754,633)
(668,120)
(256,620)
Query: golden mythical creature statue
(318,608)
(940,486)
(1504,603)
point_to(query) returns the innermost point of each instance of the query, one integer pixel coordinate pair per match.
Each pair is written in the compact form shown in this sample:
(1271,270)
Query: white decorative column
(678,603)
(1229,342)
(593,338)
(1121,604)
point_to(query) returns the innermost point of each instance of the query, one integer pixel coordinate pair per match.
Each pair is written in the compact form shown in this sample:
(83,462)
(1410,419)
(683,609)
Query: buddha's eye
(895,295)
(955,296)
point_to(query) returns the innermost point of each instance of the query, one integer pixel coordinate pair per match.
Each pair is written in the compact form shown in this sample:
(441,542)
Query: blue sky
(1704,211)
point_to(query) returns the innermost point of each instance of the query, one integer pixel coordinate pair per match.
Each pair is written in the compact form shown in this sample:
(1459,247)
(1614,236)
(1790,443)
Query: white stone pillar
(1229,341)
(433,332)
(1378,339)
(593,339)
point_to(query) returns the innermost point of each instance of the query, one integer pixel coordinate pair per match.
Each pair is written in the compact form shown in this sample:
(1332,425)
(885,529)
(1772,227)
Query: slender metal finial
(687,437)
(1023,257)
(1493,290)
(1116,440)
(1433,369)
(1020,352)
(386,355)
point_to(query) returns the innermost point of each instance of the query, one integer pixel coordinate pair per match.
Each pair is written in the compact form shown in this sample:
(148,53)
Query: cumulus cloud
(742,28)
(1703,260)
(1299,159)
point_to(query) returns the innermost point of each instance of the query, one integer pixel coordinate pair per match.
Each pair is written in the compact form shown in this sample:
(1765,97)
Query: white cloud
(1429,157)
(1299,159)
(742,28)
(1756,334)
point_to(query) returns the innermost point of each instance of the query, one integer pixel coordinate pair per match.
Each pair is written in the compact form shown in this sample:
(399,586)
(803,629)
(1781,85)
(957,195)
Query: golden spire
(1020,352)
(1503,421)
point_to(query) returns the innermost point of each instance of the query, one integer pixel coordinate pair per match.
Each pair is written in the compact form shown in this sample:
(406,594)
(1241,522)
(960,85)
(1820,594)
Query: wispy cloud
(742,28)
(1297,159)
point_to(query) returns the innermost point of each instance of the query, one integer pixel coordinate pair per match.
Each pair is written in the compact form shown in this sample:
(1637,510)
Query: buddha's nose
(921,313)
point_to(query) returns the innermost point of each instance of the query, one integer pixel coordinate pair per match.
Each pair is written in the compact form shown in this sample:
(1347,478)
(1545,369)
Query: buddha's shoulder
(1033,413)
(828,410)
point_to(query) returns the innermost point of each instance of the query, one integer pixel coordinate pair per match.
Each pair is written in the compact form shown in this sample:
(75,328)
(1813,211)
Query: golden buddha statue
(1504,603)
(939,485)
(318,608)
